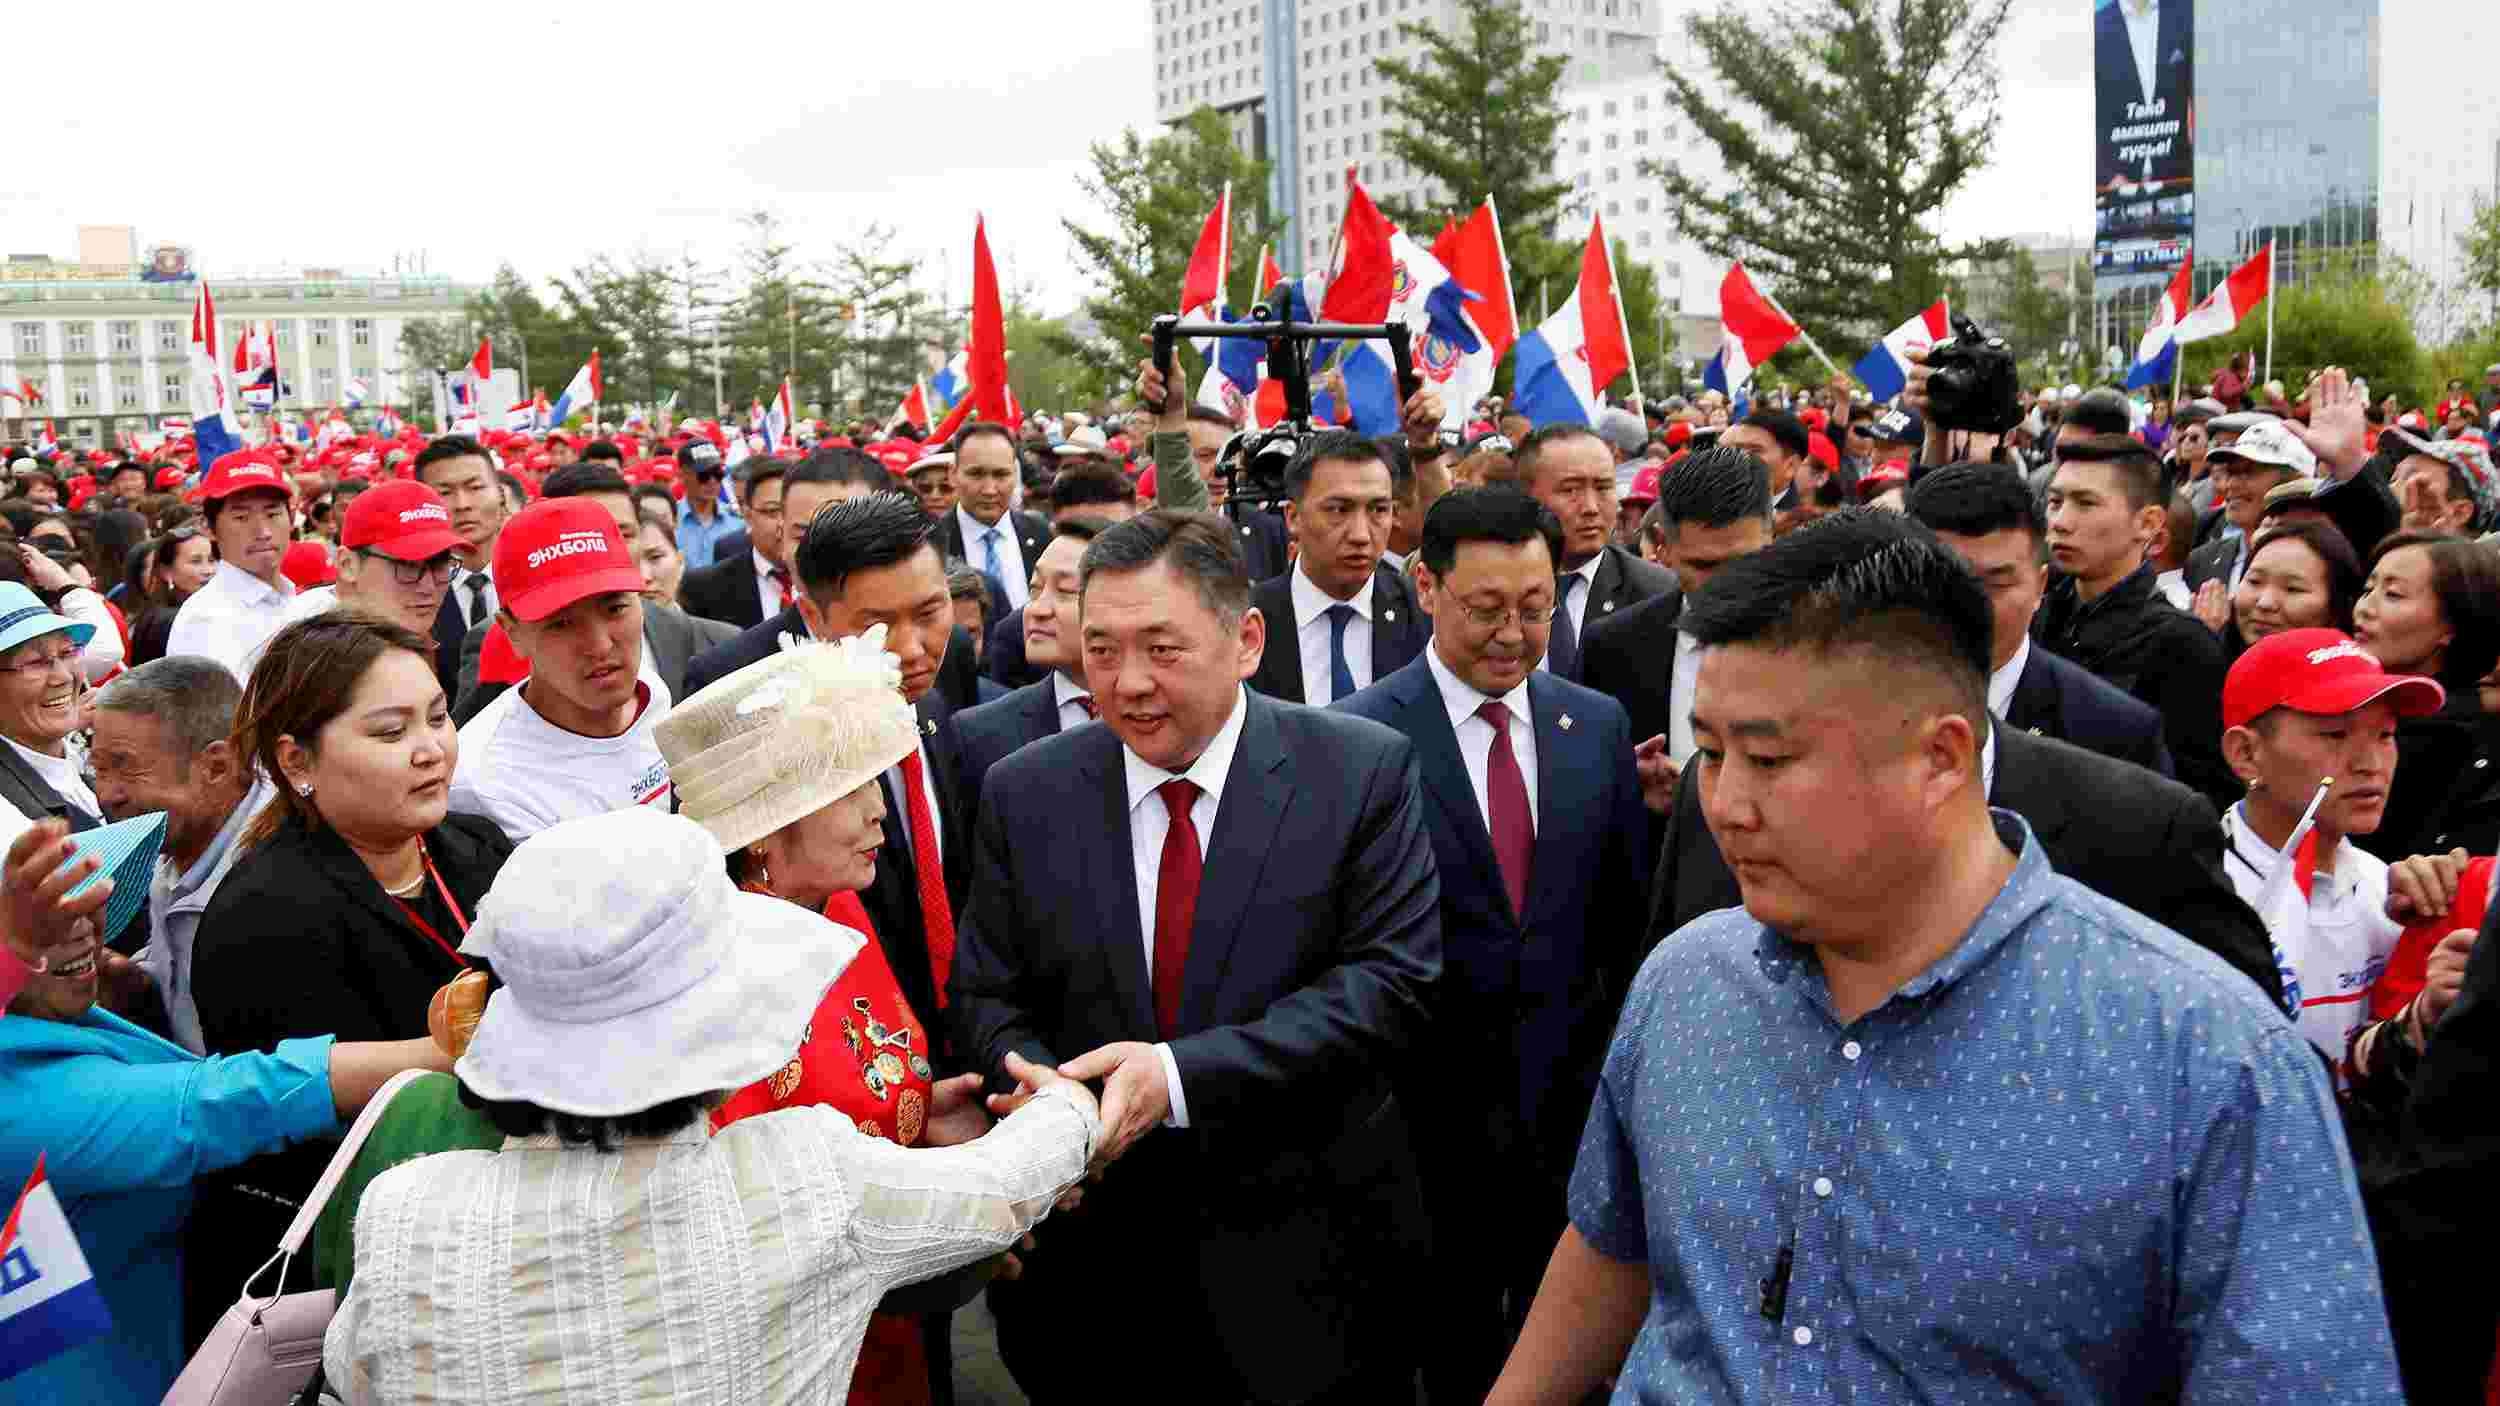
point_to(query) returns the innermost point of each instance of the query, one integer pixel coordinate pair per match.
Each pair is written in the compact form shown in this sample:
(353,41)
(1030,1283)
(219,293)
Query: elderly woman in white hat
(614,1250)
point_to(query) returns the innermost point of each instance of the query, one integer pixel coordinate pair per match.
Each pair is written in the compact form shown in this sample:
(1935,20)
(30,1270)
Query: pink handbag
(264,1350)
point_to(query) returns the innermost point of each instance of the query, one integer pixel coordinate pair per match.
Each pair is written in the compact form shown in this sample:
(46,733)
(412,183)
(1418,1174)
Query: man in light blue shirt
(1925,1121)
(704,521)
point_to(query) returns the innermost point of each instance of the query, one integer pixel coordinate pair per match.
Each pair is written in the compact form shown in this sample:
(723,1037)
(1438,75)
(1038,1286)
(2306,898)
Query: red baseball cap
(1645,485)
(243,471)
(308,564)
(169,478)
(2321,672)
(1890,474)
(556,551)
(403,520)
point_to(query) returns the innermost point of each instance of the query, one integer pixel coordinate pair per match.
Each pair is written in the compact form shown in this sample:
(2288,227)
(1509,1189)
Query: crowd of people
(1732,902)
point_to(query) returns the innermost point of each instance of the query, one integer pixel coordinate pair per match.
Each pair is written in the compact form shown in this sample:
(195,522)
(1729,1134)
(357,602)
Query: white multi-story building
(109,351)
(1611,132)
(1297,79)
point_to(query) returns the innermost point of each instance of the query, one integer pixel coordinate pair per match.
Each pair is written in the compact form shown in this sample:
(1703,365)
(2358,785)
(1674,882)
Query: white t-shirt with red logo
(525,773)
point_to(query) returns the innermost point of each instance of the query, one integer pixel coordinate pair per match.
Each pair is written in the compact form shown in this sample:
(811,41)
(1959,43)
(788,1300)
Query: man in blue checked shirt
(1925,1121)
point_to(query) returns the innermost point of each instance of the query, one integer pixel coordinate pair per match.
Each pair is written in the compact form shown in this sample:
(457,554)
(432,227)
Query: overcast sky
(312,134)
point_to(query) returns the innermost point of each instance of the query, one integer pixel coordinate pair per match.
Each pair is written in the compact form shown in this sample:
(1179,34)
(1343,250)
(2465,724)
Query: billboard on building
(2144,98)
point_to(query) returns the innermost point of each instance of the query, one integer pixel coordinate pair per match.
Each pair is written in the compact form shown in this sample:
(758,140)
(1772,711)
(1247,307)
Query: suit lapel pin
(2036,732)
(1610,608)
(1564,722)
(928,727)
(1388,615)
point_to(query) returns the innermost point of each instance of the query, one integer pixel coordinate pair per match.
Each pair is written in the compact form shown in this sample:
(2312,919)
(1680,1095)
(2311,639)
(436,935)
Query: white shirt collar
(2001,681)
(1310,602)
(1988,762)
(250,589)
(973,527)
(1463,699)
(763,564)
(1209,771)
(2339,871)
(1587,570)
(1065,690)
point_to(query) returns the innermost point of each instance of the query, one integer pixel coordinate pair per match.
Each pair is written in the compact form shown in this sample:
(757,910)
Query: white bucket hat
(634,972)
(787,736)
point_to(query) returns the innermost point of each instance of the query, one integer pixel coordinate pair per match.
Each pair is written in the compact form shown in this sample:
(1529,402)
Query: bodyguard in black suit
(1052,704)
(1570,470)
(1540,913)
(1987,516)
(1338,618)
(2116,828)
(1228,910)
(985,475)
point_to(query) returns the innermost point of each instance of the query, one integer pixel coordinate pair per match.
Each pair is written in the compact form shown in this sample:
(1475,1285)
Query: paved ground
(980,1377)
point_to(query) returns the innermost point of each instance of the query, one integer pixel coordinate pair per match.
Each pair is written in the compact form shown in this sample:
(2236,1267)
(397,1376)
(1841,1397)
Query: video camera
(1972,383)
(1253,463)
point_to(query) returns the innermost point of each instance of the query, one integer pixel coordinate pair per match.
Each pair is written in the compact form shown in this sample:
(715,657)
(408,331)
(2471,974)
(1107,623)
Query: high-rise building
(1297,80)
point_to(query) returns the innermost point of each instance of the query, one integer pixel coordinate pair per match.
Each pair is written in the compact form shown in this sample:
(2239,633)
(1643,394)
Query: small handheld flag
(1886,366)
(49,1301)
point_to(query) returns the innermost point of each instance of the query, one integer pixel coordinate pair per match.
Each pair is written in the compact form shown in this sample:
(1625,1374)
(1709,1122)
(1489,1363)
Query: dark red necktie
(1506,801)
(937,918)
(781,585)
(1086,702)
(1176,901)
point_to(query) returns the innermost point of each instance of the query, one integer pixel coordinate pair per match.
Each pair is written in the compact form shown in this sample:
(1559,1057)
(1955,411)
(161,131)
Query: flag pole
(2268,377)
(1802,334)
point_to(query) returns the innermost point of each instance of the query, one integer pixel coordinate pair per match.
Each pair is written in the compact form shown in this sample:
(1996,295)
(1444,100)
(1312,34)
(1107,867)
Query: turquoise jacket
(125,1120)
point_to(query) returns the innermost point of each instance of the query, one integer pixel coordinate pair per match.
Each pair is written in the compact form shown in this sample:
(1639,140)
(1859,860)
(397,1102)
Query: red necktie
(1506,797)
(1086,702)
(1176,901)
(781,588)
(936,917)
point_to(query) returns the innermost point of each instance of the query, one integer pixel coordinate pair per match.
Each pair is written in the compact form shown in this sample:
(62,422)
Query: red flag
(598,387)
(1472,252)
(989,332)
(1202,287)
(1271,273)
(1362,271)
(1751,327)
(482,365)
(1602,330)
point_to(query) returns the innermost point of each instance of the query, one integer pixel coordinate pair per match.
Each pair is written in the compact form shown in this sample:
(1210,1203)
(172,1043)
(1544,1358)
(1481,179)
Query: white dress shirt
(1687,676)
(230,618)
(2001,681)
(701,1268)
(1578,605)
(461,593)
(1311,630)
(1066,691)
(767,591)
(1011,568)
(2143,19)
(1475,735)
(1149,821)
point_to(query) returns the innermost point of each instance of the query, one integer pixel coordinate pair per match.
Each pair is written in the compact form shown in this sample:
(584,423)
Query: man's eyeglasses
(409,573)
(40,665)
(1489,618)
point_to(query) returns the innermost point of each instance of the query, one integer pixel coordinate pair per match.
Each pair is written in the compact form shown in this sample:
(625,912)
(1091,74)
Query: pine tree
(1841,128)
(1477,116)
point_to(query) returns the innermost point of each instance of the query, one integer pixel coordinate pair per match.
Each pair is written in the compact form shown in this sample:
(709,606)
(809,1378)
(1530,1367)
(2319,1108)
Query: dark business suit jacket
(1531,998)
(1266,543)
(724,591)
(451,641)
(1032,534)
(995,731)
(1623,580)
(893,897)
(2135,838)
(956,679)
(2118,83)
(1279,1229)
(1630,657)
(2056,698)
(1004,660)
(2212,562)
(1400,630)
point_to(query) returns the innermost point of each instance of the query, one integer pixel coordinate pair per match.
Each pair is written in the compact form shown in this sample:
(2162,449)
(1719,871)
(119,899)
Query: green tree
(1154,194)
(1840,129)
(785,318)
(893,327)
(1652,337)
(638,306)
(1477,116)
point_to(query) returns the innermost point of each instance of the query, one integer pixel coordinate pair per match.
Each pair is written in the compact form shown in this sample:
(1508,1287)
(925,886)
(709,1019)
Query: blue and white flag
(49,1301)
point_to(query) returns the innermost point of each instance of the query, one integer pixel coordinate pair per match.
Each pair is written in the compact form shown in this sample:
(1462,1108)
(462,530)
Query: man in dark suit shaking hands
(1225,909)
(1535,816)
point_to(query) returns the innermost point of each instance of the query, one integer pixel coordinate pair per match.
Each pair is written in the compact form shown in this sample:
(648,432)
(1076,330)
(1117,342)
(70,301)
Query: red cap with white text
(557,551)
(402,519)
(242,471)
(2320,672)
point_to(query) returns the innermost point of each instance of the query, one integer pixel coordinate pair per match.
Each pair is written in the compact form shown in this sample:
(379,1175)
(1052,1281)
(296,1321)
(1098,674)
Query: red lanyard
(448,902)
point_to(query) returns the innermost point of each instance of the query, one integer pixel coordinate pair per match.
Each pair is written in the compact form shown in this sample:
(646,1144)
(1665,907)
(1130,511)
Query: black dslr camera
(1972,383)
(1254,461)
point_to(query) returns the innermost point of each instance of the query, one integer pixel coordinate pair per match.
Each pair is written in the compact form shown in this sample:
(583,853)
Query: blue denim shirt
(699,541)
(2076,1160)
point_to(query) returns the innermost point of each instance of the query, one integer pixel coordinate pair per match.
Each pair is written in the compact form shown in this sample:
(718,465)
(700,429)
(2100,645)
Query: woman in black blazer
(348,905)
